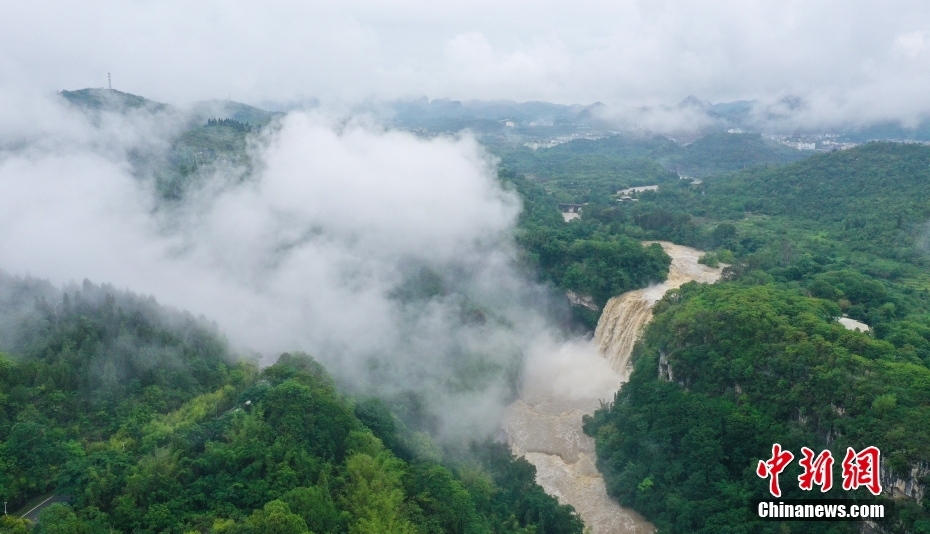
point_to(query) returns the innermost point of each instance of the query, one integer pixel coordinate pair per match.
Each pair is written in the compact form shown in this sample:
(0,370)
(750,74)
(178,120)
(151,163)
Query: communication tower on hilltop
(109,82)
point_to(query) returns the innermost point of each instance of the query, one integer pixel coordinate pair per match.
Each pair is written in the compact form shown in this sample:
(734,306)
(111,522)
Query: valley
(475,360)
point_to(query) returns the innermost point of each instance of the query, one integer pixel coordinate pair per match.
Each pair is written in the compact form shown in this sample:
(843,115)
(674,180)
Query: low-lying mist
(388,257)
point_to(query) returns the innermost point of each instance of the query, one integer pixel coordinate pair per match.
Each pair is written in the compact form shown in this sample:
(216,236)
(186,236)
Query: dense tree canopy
(724,371)
(144,417)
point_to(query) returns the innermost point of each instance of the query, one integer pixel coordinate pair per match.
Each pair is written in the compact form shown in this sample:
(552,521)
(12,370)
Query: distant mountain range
(690,119)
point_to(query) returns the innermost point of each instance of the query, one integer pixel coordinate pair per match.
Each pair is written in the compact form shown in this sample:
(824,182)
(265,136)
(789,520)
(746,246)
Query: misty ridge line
(388,257)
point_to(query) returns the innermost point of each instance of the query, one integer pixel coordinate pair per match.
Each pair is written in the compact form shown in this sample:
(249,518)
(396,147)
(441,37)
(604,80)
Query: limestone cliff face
(911,487)
(584,301)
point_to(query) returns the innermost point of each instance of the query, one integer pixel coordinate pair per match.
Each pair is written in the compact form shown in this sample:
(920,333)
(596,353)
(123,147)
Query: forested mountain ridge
(726,370)
(99,99)
(112,100)
(150,423)
(208,138)
(874,197)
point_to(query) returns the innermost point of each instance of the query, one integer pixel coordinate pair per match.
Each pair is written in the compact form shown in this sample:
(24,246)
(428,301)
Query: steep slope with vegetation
(149,423)
(725,371)
(211,138)
(199,152)
(584,257)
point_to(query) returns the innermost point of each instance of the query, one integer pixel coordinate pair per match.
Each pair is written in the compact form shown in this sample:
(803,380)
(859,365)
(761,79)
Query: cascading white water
(560,387)
(624,316)
(618,329)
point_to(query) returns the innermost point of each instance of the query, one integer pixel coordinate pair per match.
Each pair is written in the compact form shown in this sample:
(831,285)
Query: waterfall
(565,382)
(619,327)
(624,316)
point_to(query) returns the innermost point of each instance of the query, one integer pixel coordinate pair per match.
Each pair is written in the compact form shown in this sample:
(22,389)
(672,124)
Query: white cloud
(912,43)
(308,254)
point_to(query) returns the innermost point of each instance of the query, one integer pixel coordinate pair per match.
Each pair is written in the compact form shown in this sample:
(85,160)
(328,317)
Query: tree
(275,518)
(58,518)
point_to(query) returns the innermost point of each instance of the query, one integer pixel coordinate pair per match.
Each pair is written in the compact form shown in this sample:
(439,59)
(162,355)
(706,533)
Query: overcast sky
(858,56)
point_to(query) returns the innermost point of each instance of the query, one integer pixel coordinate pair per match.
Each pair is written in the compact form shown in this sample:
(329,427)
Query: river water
(572,380)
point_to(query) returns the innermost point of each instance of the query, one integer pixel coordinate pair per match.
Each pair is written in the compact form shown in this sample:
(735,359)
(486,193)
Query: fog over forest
(326,247)
(379,266)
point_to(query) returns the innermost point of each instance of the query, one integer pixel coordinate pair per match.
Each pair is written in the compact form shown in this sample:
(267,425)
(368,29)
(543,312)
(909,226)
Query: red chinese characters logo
(816,471)
(862,469)
(773,466)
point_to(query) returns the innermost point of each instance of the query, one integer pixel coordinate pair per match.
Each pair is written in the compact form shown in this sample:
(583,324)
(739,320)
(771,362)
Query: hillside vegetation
(144,417)
(724,152)
(585,256)
(583,170)
(724,371)
(212,139)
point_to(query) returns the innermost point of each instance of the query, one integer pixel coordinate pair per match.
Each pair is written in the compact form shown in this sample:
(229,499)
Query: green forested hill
(867,180)
(724,371)
(110,100)
(583,256)
(724,152)
(144,417)
(584,169)
(874,197)
(212,137)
